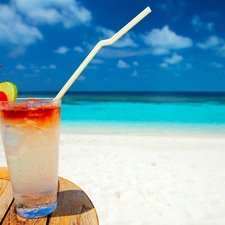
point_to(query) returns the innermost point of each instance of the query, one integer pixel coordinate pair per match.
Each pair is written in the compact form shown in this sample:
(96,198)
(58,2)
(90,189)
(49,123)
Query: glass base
(36,212)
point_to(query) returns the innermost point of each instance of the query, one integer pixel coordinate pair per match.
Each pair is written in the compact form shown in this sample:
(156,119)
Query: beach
(147,179)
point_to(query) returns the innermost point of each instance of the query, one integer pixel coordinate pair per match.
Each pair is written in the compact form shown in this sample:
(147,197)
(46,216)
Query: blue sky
(179,46)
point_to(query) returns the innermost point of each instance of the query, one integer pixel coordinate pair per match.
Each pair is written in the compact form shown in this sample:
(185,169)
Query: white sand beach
(147,179)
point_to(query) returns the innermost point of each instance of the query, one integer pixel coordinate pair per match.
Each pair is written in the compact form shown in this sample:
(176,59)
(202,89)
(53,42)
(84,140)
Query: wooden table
(73,207)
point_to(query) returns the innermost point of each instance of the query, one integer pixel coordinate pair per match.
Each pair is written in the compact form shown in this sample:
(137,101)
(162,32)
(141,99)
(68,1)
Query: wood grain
(73,206)
(4,173)
(13,218)
(6,197)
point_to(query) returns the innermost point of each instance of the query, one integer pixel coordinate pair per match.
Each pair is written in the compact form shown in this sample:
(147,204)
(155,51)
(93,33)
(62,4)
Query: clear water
(140,112)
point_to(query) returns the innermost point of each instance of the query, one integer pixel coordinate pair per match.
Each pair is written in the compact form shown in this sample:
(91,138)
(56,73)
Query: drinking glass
(30,130)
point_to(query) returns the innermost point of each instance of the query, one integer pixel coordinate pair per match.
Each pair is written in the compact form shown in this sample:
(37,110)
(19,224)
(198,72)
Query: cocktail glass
(30,131)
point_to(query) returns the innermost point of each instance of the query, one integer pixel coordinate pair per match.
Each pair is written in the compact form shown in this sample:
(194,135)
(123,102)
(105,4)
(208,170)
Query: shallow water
(146,112)
(142,112)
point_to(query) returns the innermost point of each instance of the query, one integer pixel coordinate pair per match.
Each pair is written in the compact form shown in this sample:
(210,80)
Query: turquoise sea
(142,112)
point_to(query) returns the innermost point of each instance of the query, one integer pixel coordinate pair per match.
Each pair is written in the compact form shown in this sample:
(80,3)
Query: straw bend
(98,46)
(126,28)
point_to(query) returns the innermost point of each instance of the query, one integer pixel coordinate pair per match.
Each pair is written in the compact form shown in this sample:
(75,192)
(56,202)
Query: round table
(73,206)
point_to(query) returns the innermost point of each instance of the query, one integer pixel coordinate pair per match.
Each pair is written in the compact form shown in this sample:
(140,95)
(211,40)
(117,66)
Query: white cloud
(81,78)
(13,28)
(49,16)
(17,51)
(189,66)
(97,61)
(164,65)
(221,50)
(67,12)
(20,67)
(62,50)
(217,65)
(134,74)
(211,42)
(125,41)
(198,24)
(122,53)
(164,40)
(78,49)
(210,26)
(174,59)
(52,66)
(122,64)
(105,33)
(135,63)
(19,19)
(160,51)
(215,43)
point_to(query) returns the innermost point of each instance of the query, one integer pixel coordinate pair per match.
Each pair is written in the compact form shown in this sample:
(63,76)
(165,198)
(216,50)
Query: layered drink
(30,133)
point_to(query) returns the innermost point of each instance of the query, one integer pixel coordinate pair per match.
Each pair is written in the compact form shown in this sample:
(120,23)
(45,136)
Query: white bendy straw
(98,46)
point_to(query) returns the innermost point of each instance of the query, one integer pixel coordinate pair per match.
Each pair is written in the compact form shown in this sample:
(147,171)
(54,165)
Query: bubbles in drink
(30,132)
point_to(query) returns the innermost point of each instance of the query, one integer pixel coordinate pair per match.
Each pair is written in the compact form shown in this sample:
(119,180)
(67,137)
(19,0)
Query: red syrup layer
(42,114)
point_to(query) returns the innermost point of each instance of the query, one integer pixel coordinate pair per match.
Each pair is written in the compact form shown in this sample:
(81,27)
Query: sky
(179,46)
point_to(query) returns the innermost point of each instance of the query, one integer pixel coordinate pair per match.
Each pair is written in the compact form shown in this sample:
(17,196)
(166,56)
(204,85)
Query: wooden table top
(73,207)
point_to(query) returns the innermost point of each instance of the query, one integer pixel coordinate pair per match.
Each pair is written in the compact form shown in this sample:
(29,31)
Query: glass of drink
(30,131)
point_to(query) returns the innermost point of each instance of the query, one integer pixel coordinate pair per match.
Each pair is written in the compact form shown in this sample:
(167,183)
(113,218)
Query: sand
(148,179)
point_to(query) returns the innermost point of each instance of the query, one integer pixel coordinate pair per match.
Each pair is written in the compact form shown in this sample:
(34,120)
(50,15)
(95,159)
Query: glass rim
(24,99)
(38,102)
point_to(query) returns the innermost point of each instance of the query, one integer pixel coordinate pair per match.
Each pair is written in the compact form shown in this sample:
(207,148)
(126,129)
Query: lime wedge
(10,90)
